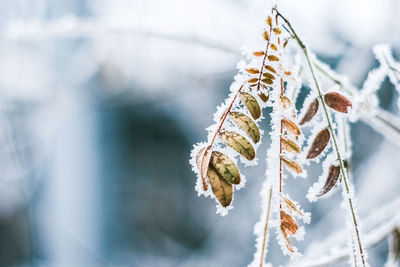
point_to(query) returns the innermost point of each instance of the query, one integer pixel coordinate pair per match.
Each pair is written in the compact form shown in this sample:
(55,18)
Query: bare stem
(336,147)
(266,226)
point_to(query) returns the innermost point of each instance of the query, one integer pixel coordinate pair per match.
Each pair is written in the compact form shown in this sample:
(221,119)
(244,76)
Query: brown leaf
(268,75)
(266,36)
(251,104)
(252,70)
(238,143)
(319,144)
(258,53)
(288,227)
(274,47)
(291,126)
(222,190)
(291,164)
(203,160)
(225,167)
(273,58)
(270,68)
(253,80)
(267,81)
(285,43)
(396,244)
(277,31)
(333,176)
(288,73)
(337,102)
(290,145)
(291,206)
(264,98)
(311,111)
(269,21)
(247,125)
(285,102)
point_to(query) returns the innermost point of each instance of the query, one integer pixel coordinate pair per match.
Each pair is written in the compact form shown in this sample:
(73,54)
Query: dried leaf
(273,58)
(268,75)
(396,244)
(285,102)
(270,68)
(291,206)
(290,145)
(251,104)
(238,143)
(285,43)
(203,160)
(253,80)
(247,125)
(333,176)
(269,21)
(266,36)
(319,144)
(252,70)
(222,190)
(267,81)
(225,167)
(277,31)
(291,164)
(337,102)
(288,227)
(258,53)
(274,47)
(264,98)
(311,111)
(288,73)
(291,126)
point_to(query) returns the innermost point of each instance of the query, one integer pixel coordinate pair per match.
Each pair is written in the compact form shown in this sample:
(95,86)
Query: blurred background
(101,102)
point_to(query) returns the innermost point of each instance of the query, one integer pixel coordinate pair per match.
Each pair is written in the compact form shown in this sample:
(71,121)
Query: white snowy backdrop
(101,100)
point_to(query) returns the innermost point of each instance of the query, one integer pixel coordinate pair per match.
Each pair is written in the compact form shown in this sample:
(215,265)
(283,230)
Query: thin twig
(342,169)
(266,226)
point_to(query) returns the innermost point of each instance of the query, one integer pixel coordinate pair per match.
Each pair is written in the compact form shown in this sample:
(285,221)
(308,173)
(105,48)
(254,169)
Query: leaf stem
(342,169)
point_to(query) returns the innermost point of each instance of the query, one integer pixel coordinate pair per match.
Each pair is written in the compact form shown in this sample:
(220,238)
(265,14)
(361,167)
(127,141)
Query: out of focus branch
(72,26)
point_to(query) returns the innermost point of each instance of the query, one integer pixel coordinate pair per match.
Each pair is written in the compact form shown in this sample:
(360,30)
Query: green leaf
(238,143)
(247,125)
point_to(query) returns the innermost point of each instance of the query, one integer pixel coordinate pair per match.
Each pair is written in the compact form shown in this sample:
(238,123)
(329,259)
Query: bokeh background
(101,102)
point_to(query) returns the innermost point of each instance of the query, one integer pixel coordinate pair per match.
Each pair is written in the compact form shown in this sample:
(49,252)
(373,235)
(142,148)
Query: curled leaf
(274,47)
(291,206)
(264,98)
(273,58)
(291,126)
(253,80)
(333,176)
(285,102)
(258,53)
(337,102)
(285,43)
(222,190)
(252,70)
(277,31)
(238,143)
(247,125)
(319,144)
(270,68)
(225,167)
(288,227)
(291,164)
(290,145)
(251,104)
(266,36)
(311,111)
(203,160)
